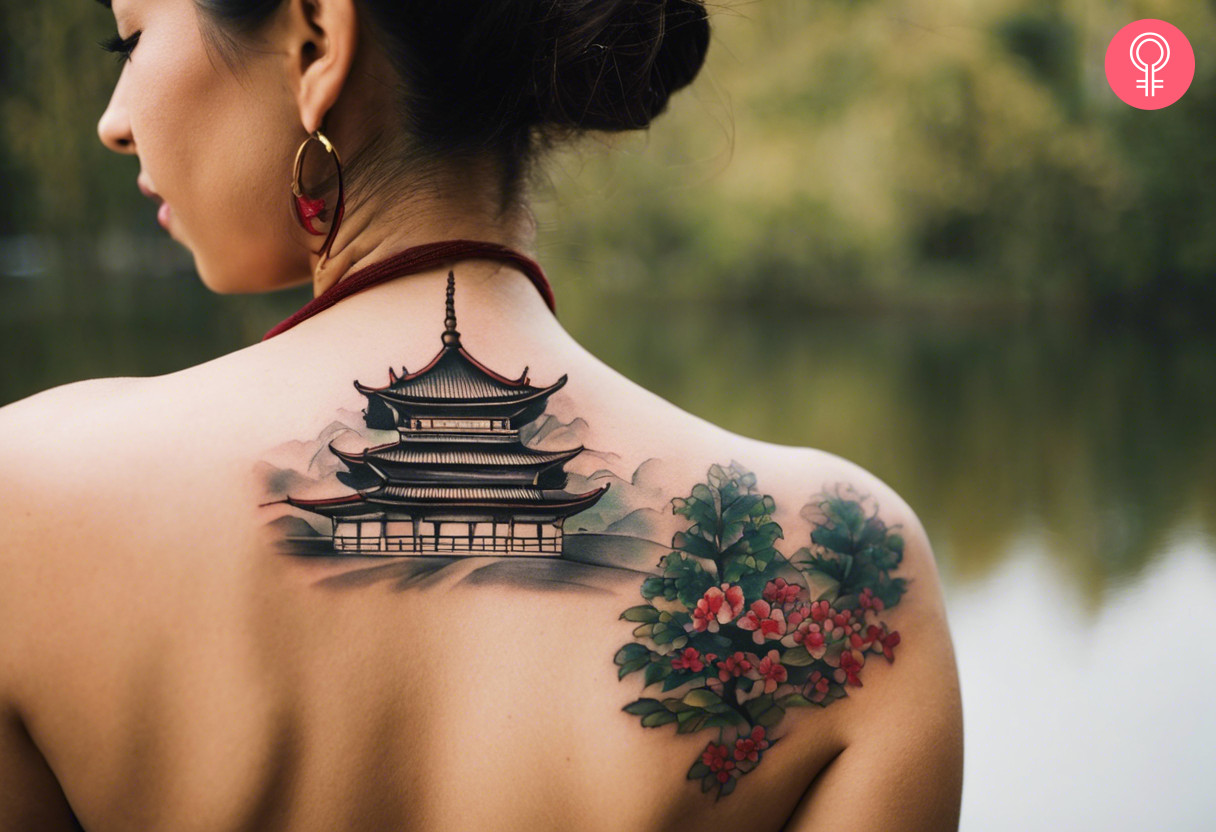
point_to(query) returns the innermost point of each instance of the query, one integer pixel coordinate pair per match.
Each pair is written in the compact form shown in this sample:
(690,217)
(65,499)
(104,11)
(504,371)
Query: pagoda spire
(451,338)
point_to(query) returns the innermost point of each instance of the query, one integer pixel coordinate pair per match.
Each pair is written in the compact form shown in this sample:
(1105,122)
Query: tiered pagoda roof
(458,450)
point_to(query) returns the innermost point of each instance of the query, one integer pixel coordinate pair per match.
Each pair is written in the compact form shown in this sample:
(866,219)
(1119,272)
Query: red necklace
(417,259)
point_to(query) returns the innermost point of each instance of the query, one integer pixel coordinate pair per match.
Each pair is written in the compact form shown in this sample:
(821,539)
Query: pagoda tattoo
(457,480)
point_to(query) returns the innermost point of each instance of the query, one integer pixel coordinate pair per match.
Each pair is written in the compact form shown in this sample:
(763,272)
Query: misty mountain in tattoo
(456,479)
(746,633)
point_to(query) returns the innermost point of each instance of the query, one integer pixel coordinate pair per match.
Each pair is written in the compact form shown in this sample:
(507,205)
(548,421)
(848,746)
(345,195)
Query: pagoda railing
(446,543)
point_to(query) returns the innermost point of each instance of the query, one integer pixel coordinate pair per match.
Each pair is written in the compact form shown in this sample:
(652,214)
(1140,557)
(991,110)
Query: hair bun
(615,63)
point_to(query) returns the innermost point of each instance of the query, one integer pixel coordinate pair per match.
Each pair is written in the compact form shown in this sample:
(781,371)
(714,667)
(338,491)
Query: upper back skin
(180,667)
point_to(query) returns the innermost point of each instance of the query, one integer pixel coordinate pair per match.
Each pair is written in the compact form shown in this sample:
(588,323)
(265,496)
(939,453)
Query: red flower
(869,602)
(799,614)
(771,671)
(838,624)
(817,687)
(733,666)
(820,610)
(719,605)
(690,659)
(781,593)
(749,747)
(765,621)
(809,635)
(876,638)
(717,757)
(850,664)
(888,645)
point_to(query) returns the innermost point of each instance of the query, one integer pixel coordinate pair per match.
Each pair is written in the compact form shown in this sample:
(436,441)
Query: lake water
(1065,471)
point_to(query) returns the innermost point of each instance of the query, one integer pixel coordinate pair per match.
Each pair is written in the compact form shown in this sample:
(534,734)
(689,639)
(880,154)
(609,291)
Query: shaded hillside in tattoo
(741,633)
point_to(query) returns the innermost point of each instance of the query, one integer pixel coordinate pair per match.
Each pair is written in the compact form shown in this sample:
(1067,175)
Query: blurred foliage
(868,152)
(56,83)
(914,153)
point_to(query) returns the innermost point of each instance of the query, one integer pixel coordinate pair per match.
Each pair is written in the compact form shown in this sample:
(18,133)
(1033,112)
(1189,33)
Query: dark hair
(507,79)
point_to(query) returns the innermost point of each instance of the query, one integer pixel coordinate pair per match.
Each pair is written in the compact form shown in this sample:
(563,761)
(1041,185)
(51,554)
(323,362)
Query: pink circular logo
(1150,64)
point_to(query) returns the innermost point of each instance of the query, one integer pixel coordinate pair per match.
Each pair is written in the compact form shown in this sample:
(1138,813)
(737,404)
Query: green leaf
(794,699)
(652,587)
(833,538)
(728,787)
(698,770)
(895,543)
(797,657)
(759,705)
(763,711)
(665,633)
(727,716)
(630,666)
(701,698)
(643,630)
(630,652)
(691,726)
(741,508)
(771,717)
(847,602)
(657,671)
(642,707)
(644,613)
(674,680)
(658,718)
(695,545)
(735,570)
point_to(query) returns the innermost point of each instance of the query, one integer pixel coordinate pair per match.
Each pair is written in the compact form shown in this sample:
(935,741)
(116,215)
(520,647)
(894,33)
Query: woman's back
(193,640)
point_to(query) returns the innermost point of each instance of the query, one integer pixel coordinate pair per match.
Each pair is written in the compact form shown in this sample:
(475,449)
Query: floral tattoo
(748,633)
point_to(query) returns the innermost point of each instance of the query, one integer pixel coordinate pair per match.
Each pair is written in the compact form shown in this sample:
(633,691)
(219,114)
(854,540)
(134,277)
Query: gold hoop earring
(305,208)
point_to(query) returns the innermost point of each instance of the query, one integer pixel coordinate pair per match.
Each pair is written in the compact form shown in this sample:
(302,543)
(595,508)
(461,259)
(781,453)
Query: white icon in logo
(1150,83)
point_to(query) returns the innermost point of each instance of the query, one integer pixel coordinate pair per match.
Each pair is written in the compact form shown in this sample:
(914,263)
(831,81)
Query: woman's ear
(321,38)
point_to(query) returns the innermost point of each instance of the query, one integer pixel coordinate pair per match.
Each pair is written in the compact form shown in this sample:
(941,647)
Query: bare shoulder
(73,424)
(68,419)
(68,456)
(43,440)
(47,442)
(894,686)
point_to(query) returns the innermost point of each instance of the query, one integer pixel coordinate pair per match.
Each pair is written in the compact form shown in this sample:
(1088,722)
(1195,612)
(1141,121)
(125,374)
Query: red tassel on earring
(307,209)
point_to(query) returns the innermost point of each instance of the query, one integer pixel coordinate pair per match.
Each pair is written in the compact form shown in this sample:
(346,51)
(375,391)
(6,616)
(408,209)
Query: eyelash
(120,46)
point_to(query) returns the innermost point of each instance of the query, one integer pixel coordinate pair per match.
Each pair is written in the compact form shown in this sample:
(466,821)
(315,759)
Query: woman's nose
(115,130)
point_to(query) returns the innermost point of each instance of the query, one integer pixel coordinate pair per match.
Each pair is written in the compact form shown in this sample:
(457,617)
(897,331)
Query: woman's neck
(373,230)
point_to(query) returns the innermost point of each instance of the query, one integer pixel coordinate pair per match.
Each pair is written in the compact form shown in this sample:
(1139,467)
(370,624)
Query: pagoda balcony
(480,544)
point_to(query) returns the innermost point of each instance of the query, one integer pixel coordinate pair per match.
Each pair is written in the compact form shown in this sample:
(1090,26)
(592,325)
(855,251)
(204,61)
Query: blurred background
(925,236)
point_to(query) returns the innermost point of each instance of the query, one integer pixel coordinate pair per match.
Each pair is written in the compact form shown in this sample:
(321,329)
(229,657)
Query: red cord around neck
(417,259)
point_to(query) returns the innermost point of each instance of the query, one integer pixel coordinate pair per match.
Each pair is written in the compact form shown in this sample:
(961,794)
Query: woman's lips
(164,214)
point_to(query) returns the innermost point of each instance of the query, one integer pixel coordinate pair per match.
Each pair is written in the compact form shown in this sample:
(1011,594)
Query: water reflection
(1080,722)
(1098,437)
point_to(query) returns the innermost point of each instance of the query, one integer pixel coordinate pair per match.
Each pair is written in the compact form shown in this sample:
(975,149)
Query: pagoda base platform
(464,545)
